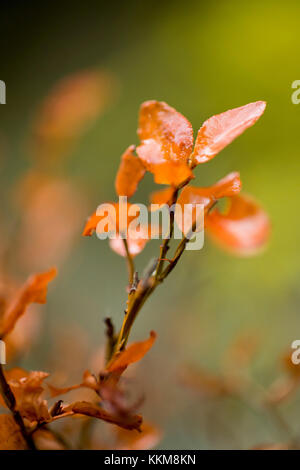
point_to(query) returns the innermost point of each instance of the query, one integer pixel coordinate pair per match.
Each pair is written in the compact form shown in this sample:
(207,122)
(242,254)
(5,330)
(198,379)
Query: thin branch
(165,245)
(150,281)
(110,335)
(130,263)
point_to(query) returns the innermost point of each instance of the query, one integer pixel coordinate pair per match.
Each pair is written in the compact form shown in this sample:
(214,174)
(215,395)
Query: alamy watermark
(295,357)
(2,352)
(137,221)
(2,92)
(296,94)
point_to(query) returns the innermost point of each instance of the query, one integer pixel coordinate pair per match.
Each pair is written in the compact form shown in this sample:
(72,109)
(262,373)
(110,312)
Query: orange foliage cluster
(167,151)
(28,388)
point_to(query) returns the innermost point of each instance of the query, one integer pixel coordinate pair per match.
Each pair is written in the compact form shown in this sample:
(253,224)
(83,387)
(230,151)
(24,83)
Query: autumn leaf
(130,173)
(226,187)
(163,196)
(10,435)
(135,245)
(173,173)
(243,229)
(220,130)
(135,352)
(91,225)
(52,210)
(166,142)
(28,389)
(33,291)
(88,381)
(170,129)
(126,421)
(192,197)
(167,138)
(136,236)
(72,104)
(118,215)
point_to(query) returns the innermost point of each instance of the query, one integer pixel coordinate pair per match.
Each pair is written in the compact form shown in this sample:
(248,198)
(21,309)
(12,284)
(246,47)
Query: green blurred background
(202,58)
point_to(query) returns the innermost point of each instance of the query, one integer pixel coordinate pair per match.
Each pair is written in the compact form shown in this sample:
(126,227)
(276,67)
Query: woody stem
(130,263)
(145,288)
(147,285)
(10,402)
(165,245)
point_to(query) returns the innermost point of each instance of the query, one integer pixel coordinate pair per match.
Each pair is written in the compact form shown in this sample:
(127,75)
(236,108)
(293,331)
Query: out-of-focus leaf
(71,106)
(52,210)
(207,196)
(243,230)
(88,381)
(33,291)
(135,245)
(28,389)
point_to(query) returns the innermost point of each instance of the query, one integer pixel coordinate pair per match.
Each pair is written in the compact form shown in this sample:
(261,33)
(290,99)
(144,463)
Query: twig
(110,334)
(152,278)
(165,245)
(130,263)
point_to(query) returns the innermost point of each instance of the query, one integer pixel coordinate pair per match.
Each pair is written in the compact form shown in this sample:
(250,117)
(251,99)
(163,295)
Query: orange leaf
(118,211)
(88,381)
(173,173)
(33,291)
(166,136)
(135,352)
(127,421)
(163,196)
(130,173)
(56,391)
(243,229)
(135,245)
(10,435)
(72,104)
(226,187)
(27,388)
(220,130)
(91,225)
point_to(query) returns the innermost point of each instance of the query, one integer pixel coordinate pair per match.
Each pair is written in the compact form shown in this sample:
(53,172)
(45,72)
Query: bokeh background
(202,58)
